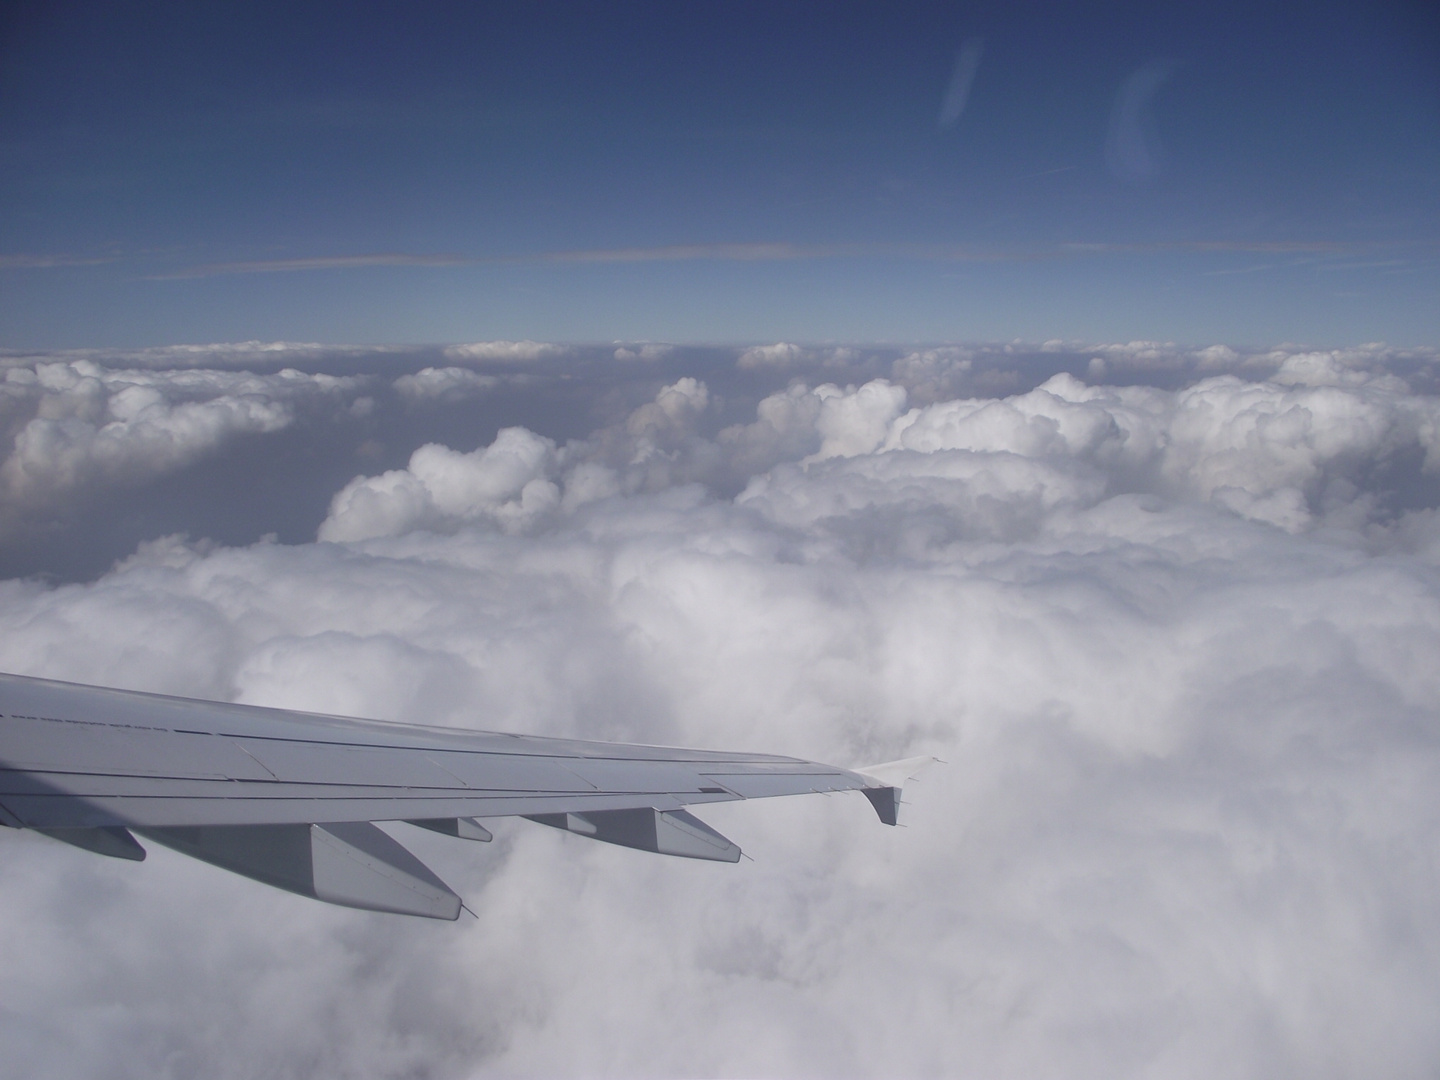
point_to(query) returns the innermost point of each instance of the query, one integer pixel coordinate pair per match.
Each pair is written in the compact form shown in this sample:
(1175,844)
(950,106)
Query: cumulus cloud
(784,355)
(648,352)
(1293,450)
(444,384)
(504,482)
(504,351)
(1176,643)
(76,424)
(781,354)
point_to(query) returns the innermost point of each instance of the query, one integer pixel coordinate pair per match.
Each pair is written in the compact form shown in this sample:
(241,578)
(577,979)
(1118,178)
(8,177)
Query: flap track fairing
(466,828)
(112,840)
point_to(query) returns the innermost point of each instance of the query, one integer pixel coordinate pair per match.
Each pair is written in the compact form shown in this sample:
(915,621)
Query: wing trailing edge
(291,799)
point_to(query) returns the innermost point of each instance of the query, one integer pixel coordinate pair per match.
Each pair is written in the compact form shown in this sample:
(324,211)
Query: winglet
(885,781)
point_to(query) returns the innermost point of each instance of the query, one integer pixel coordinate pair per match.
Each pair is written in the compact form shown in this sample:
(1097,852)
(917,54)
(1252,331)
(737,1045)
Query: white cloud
(784,356)
(78,423)
(1175,645)
(516,482)
(444,384)
(504,483)
(780,355)
(504,351)
(1263,449)
(1277,451)
(673,409)
(646,353)
(853,422)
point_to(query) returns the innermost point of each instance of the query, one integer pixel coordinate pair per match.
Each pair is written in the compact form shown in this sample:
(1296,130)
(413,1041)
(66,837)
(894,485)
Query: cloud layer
(1174,640)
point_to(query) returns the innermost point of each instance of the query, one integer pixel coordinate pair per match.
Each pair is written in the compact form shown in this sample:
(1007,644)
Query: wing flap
(352,863)
(672,832)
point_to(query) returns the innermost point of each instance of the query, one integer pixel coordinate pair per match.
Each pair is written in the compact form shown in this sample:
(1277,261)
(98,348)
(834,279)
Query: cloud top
(1175,641)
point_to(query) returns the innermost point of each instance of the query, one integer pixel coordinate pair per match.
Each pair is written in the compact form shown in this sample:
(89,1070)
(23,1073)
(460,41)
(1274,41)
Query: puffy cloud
(78,423)
(781,354)
(504,351)
(1186,828)
(1281,451)
(1265,450)
(505,483)
(672,413)
(934,374)
(444,384)
(517,480)
(648,353)
(853,422)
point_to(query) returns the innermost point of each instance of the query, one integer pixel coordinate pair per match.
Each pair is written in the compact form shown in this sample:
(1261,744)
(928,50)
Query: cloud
(1274,450)
(1175,641)
(757,252)
(648,352)
(37,262)
(504,351)
(444,384)
(781,354)
(504,482)
(319,262)
(247,354)
(1132,154)
(77,424)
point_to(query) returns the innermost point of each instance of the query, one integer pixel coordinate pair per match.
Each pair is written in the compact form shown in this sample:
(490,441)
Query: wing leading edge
(290,798)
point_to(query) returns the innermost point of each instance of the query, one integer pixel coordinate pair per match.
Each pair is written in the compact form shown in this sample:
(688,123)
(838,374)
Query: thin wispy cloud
(42,262)
(1318,247)
(761,252)
(776,251)
(324,262)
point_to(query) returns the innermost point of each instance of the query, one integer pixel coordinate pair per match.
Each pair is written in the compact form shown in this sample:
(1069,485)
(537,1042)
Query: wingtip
(897,773)
(886,780)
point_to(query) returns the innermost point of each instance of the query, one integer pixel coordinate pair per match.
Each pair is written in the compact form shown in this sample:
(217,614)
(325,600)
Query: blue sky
(725,173)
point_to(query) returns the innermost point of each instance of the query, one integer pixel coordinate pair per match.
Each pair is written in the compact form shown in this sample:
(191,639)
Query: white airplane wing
(291,798)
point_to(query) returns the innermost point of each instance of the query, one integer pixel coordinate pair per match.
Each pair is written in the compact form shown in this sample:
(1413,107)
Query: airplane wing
(291,798)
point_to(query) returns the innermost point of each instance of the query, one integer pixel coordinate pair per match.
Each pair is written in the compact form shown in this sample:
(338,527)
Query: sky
(1052,391)
(740,173)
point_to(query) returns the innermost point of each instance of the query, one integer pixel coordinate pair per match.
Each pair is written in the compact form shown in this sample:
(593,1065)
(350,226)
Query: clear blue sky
(718,172)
